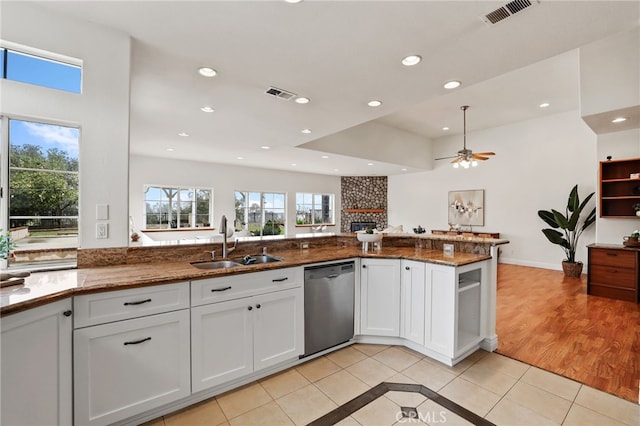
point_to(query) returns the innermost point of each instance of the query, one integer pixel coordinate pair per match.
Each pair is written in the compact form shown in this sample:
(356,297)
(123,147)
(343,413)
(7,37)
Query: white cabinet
(123,368)
(453,311)
(380,297)
(412,321)
(233,338)
(36,370)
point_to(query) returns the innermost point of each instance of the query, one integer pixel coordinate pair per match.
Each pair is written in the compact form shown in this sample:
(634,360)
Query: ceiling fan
(466,157)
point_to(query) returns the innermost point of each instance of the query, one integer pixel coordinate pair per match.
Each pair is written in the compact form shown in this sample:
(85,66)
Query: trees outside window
(260,213)
(177,207)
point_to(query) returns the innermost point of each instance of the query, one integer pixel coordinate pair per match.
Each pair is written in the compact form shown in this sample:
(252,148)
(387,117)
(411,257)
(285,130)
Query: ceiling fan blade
(479,157)
(445,158)
(457,160)
(485,153)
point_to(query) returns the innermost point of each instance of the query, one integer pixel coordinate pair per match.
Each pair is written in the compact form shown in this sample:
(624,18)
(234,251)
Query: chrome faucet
(223,231)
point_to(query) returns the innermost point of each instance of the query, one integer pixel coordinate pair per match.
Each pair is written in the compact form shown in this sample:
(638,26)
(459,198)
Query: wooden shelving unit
(618,191)
(364,210)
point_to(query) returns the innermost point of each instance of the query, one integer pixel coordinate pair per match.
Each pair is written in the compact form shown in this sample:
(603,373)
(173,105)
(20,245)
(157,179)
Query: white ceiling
(341,55)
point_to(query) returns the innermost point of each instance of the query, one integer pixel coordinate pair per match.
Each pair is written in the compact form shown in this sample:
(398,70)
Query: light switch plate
(102,230)
(102,211)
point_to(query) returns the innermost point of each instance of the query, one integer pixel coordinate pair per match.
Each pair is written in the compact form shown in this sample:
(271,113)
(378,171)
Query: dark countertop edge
(198,274)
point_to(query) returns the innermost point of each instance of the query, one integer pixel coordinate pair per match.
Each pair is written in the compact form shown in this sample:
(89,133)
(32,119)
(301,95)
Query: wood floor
(548,321)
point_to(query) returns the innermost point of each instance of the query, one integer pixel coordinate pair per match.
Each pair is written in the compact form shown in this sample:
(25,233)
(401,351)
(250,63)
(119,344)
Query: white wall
(537,163)
(101,112)
(618,145)
(225,180)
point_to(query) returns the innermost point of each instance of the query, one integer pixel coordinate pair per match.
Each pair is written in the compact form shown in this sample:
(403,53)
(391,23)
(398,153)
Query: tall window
(314,209)
(260,213)
(177,207)
(41,70)
(43,191)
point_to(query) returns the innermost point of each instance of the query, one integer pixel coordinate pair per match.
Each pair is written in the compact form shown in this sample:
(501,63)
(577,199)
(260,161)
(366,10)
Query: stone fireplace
(364,200)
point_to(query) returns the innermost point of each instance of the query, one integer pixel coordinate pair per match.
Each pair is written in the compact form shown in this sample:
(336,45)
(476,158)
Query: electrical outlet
(102,230)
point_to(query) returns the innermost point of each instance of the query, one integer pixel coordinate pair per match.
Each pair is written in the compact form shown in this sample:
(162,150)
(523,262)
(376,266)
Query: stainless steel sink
(256,259)
(216,264)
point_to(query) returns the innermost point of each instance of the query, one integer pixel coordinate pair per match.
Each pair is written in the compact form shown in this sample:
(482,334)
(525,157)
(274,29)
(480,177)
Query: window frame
(193,216)
(5,170)
(6,47)
(332,222)
(244,225)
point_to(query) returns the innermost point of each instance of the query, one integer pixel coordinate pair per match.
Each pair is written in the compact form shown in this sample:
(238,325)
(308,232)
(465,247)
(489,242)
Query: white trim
(42,54)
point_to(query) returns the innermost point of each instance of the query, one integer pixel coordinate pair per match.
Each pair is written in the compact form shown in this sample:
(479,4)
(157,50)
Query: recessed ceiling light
(265,147)
(369,164)
(325,156)
(411,60)
(207,109)
(452,84)
(306,131)
(445,128)
(293,1)
(336,170)
(619,119)
(183,134)
(207,72)
(302,100)
(374,103)
(294,164)
(170,149)
(404,170)
(239,158)
(544,104)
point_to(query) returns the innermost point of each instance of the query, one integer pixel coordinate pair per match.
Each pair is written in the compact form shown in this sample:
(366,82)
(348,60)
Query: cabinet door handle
(279,280)
(140,302)
(258,306)
(250,308)
(67,313)
(407,268)
(364,266)
(137,342)
(221,289)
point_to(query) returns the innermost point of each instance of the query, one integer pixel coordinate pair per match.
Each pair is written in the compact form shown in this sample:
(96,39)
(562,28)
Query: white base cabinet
(412,322)
(233,338)
(140,362)
(36,366)
(380,297)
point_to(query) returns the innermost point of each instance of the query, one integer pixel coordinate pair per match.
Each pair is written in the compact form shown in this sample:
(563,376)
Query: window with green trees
(260,213)
(43,190)
(168,207)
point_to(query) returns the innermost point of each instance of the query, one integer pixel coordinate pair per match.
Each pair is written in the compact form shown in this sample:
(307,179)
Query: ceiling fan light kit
(465,157)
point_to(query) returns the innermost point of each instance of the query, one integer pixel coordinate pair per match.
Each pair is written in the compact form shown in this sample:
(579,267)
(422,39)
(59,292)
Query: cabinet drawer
(100,308)
(612,257)
(213,290)
(613,276)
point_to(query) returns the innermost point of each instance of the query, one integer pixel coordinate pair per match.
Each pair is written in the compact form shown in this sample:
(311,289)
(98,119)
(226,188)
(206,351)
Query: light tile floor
(500,389)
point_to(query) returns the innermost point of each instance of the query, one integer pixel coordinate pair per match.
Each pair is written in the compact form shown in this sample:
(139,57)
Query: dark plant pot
(572,269)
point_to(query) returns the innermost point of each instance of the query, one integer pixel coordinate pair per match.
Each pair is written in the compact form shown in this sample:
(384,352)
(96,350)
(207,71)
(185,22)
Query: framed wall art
(466,207)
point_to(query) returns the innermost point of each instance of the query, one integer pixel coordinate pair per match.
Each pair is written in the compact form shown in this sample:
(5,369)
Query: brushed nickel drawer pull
(221,289)
(137,303)
(137,342)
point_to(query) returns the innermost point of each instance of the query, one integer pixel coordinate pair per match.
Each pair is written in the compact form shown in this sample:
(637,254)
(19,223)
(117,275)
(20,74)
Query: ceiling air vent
(508,10)
(279,93)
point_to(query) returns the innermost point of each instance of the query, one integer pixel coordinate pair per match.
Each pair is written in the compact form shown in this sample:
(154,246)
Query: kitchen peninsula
(162,297)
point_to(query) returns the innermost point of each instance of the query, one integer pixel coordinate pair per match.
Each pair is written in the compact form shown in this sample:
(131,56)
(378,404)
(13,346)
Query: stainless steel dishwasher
(329,294)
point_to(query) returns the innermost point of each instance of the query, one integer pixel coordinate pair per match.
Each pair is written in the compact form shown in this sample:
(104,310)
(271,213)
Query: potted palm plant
(566,228)
(6,246)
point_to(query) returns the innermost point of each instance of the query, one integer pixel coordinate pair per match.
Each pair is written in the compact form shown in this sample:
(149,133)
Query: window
(314,209)
(177,207)
(43,191)
(41,70)
(260,213)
